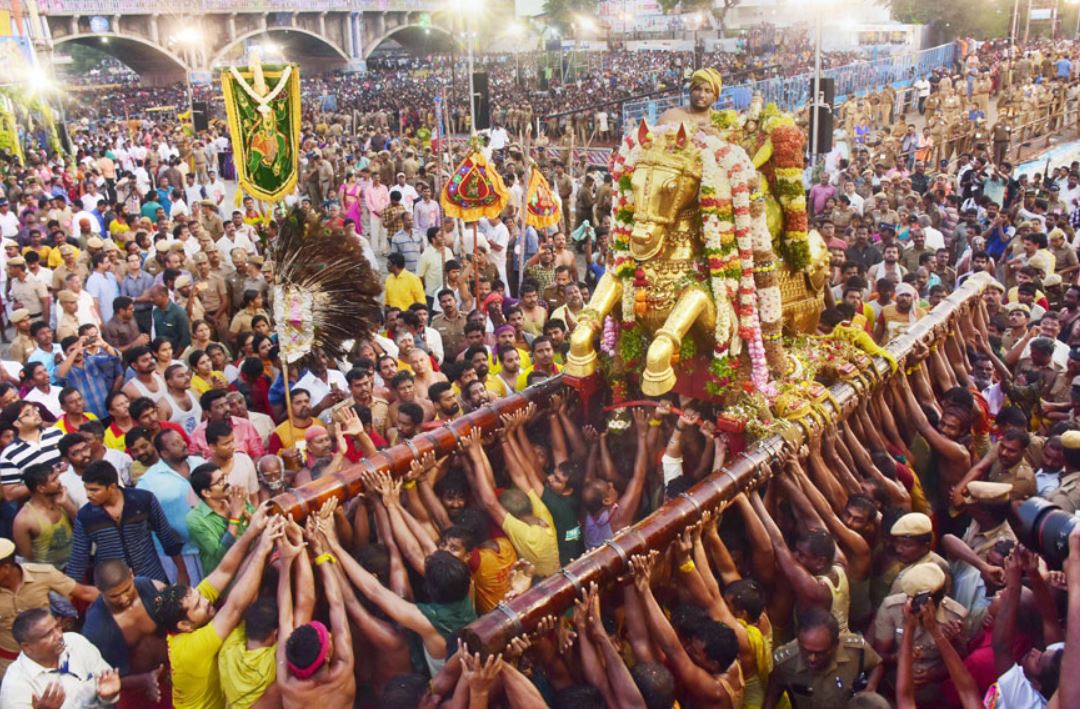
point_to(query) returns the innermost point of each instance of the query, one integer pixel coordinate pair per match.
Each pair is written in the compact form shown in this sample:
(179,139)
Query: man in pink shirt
(215,406)
(376,199)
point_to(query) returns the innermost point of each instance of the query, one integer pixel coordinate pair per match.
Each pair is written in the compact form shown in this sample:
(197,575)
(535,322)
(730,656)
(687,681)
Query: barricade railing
(605,564)
(792,92)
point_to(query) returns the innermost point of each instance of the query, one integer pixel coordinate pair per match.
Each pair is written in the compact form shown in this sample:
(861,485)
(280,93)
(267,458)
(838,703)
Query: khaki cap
(268,267)
(199,258)
(255,259)
(1052,280)
(1070,440)
(176,246)
(1012,307)
(19,314)
(922,578)
(7,548)
(110,245)
(983,491)
(997,285)
(913,524)
(95,243)
(67,249)
(183,281)
(16,261)
(10,244)
(66,296)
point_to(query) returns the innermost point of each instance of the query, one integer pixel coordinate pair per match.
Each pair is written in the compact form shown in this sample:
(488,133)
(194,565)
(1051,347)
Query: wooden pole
(345,484)
(604,564)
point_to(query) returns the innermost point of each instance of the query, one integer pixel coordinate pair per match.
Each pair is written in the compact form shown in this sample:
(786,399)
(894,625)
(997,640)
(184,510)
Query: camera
(919,600)
(1044,528)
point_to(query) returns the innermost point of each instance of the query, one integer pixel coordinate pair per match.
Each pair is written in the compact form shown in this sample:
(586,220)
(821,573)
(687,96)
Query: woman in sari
(351,192)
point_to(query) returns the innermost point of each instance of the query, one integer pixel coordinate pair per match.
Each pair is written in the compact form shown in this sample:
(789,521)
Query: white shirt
(9,224)
(922,86)
(177,208)
(73,483)
(193,193)
(83,662)
(500,239)
(319,389)
(409,195)
(243,473)
(934,239)
(499,138)
(856,202)
(50,399)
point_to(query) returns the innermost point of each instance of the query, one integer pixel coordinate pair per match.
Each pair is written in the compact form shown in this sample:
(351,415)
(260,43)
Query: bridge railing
(195,7)
(792,92)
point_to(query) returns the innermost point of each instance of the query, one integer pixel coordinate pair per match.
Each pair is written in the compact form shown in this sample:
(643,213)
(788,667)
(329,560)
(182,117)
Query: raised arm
(631,497)
(339,620)
(855,547)
(699,682)
(807,589)
(621,683)
(246,588)
(398,609)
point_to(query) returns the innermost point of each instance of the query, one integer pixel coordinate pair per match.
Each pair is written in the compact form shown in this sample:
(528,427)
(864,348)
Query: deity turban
(710,77)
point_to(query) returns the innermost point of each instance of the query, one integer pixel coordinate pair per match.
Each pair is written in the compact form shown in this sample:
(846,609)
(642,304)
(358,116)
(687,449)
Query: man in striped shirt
(120,523)
(33,444)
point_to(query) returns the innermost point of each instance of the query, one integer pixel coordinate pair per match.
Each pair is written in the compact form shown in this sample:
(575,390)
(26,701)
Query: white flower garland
(728,181)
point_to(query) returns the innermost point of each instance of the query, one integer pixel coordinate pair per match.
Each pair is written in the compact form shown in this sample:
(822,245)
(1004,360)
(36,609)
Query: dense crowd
(144,426)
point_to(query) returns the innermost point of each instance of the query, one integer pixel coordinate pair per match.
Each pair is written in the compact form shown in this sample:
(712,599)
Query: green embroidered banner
(262,104)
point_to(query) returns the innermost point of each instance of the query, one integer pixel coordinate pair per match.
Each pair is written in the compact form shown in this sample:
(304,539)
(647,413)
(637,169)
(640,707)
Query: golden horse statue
(664,279)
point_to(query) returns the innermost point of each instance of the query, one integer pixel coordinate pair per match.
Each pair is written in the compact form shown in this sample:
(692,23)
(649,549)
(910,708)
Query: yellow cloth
(491,580)
(710,77)
(404,289)
(201,386)
(538,544)
(245,674)
(523,376)
(754,691)
(56,259)
(194,659)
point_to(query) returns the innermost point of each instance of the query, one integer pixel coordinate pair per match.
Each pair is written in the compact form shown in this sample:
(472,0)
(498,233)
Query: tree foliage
(991,19)
(561,13)
(717,8)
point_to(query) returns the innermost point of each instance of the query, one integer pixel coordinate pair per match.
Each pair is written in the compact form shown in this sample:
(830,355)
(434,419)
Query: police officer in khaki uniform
(923,583)
(1067,495)
(822,668)
(26,290)
(23,345)
(912,539)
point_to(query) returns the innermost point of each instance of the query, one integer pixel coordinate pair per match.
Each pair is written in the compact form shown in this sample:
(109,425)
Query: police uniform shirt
(1067,495)
(828,688)
(930,557)
(889,623)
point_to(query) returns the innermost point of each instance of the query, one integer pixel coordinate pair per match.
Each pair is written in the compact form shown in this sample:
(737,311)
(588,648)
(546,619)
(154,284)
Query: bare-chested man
(705,86)
(119,624)
(314,664)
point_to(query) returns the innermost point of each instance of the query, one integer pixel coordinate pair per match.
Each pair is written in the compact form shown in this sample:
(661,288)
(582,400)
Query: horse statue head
(666,182)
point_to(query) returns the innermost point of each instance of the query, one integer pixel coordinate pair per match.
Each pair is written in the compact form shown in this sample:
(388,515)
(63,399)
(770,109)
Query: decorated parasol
(475,190)
(541,208)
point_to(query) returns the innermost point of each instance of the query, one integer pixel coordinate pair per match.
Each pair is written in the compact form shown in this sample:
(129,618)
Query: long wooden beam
(442,440)
(493,631)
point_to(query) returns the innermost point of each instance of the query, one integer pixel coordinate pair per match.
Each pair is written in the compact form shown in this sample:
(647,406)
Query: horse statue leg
(581,360)
(693,305)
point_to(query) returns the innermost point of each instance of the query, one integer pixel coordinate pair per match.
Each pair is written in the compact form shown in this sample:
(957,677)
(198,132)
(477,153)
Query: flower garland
(728,186)
(788,142)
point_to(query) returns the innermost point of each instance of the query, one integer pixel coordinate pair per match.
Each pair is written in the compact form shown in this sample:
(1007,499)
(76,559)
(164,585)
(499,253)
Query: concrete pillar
(232,27)
(322,24)
(74,24)
(358,34)
(265,21)
(347,33)
(155,31)
(115,24)
(380,24)
(292,19)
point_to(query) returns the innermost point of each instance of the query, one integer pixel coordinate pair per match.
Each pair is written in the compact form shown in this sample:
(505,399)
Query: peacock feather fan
(325,291)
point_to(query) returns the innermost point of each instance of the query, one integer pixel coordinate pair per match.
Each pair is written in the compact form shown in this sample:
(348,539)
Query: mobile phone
(919,600)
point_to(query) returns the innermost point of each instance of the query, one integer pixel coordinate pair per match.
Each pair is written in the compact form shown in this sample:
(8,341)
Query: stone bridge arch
(156,64)
(309,49)
(413,35)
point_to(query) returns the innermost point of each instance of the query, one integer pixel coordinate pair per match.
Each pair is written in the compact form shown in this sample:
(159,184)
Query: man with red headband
(314,664)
